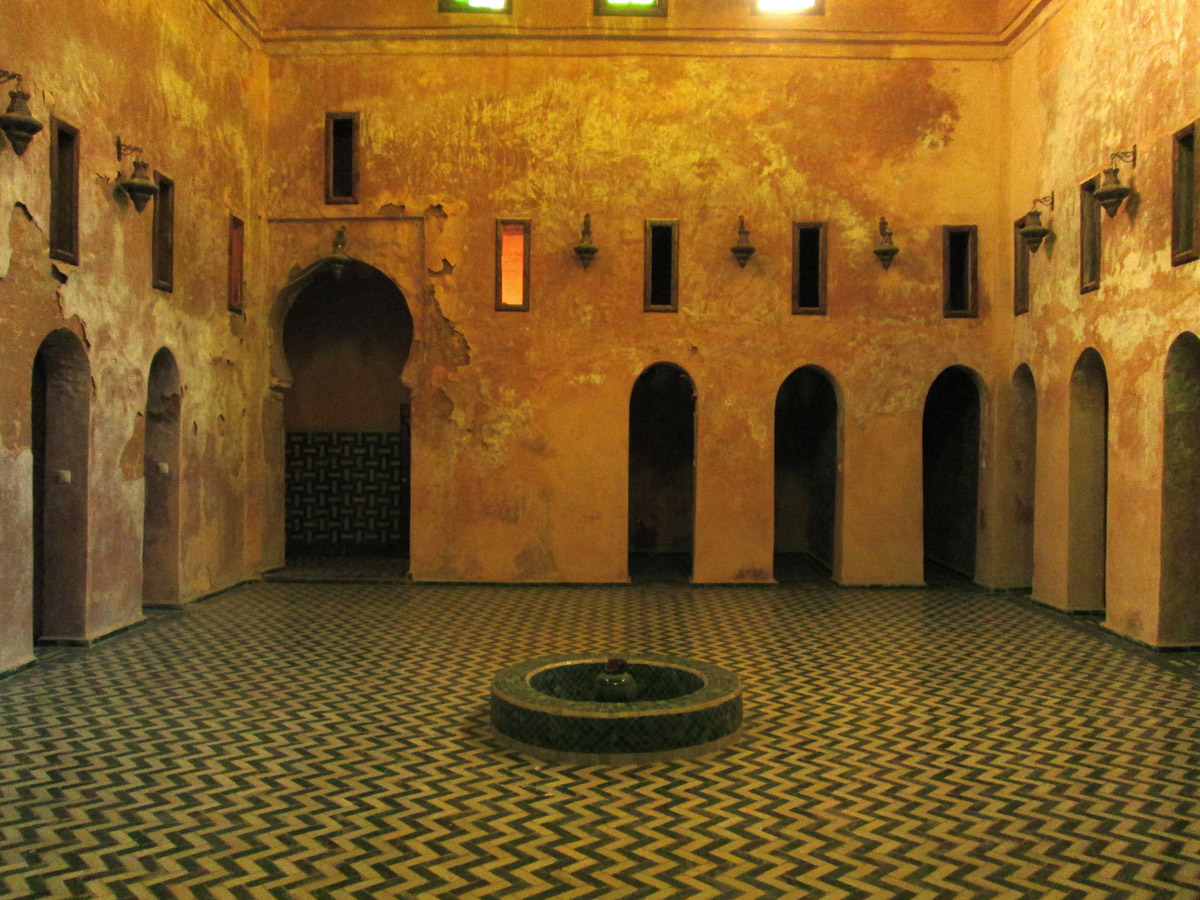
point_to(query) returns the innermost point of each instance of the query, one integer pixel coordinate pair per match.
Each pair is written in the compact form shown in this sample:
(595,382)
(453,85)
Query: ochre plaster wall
(520,446)
(1094,78)
(929,113)
(190,90)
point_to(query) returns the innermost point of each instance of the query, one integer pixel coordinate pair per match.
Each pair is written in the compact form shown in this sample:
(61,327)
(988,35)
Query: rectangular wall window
(630,7)
(64,192)
(959,266)
(1185,209)
(512,264)
(341,157)
(1021,256)
(661,290)
(808,268)
(472,6)
(1089,236)
(237,250)
(163,242)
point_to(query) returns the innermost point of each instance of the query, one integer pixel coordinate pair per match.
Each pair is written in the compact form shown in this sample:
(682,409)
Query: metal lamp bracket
(1129,156)
(124,150)
(1047,201)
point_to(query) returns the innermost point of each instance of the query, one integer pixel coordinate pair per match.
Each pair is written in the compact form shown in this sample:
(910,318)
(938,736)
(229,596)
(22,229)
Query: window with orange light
(512,264)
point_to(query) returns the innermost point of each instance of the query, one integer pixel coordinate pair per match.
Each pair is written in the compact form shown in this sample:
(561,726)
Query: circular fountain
(548,708)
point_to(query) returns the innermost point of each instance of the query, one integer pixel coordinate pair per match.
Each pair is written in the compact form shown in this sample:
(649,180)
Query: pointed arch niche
(160,521)
(807,481)
(1179,616)
(950,467)
(346,414)
(662,474)
(61,420)
(1087,489)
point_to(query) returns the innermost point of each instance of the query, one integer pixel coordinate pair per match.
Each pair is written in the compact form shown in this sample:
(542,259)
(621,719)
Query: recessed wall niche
(960,266)
(341,157)
(661,288)
(163,243)
(1185,198)
(808,268)
(1021,256)
(237,250)
(64,192)
(1089,236)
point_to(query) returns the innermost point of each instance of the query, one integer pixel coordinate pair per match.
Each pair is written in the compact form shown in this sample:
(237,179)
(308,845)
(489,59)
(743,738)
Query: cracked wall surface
(520,458)
(193,96)
(1098,78)
(927,113)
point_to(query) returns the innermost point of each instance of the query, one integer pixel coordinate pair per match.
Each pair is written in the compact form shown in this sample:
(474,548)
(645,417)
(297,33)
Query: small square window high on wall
(630,7)
(808,7)
(475,6)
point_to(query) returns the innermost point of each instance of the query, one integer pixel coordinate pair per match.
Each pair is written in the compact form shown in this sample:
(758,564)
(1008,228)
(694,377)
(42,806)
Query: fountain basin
(684,708)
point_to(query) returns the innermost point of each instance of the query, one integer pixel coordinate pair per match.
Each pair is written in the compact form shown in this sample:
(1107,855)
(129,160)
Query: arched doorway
(662,474)
(61,409)
(346,338)
(807,448)
(1087,484)
(1023,460)
(1179,615)
(160,521)
(950,452)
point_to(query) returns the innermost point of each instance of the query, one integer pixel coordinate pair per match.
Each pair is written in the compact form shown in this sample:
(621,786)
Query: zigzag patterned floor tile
(331,741)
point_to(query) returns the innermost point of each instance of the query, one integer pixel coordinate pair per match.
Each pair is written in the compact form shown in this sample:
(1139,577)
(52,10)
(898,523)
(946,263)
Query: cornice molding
(582,41)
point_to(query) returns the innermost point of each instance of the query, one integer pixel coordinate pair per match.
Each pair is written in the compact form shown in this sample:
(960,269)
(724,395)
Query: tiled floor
(331,741)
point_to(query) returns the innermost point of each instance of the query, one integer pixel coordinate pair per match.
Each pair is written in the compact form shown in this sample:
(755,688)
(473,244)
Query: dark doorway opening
(347,418)
(950,448)
(60,401)
(662,475)
(1024,474)
(1179,615)
(160,522)
(806,475)
(1087,530)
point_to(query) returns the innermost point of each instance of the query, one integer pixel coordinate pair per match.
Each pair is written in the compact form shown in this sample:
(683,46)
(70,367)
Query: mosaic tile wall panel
(346,492)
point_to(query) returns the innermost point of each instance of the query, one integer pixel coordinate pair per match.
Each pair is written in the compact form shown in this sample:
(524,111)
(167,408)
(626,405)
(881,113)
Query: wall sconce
(339,260)
(886,251)
(17,123)
(585,249)
(138,186)
(1112,193)
(1033,231)
(743,249)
